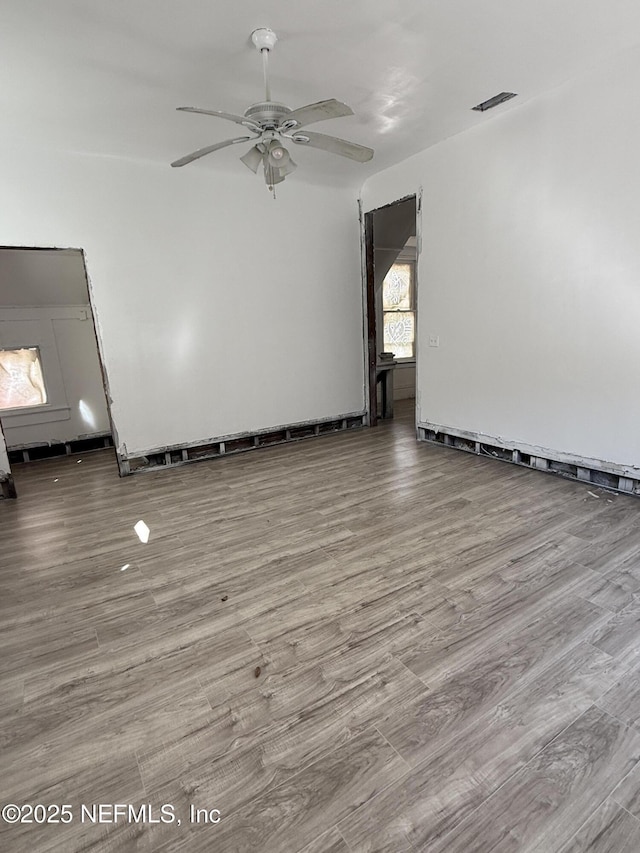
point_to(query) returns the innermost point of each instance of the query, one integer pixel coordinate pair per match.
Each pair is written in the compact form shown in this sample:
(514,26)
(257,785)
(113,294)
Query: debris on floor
(257,671)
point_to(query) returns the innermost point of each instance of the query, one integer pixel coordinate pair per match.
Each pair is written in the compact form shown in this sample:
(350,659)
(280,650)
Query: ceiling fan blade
(334,145)
(253,158)
(220,114)
(316,112)
(195,155)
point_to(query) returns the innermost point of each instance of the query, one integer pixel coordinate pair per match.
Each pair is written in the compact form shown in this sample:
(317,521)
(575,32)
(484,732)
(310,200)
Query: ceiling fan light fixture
(278,155)
(253,158)
(288,167)
(272,175)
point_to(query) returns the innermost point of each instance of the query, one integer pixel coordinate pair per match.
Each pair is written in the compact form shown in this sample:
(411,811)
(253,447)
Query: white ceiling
(105,76)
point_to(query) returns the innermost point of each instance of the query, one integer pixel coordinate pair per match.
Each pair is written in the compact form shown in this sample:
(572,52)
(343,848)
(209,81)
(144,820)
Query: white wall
(219,309)
(76,404)
(404,381)
(530,269)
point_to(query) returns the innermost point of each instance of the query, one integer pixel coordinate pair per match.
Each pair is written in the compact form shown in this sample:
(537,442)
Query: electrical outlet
(434,340)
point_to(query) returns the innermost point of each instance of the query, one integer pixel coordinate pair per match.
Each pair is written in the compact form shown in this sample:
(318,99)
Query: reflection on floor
(355,643)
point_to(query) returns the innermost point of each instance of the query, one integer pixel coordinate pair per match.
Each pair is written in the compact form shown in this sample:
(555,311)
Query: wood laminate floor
(353,644)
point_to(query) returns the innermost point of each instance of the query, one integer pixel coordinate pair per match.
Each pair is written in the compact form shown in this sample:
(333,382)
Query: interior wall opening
(53,396)
(391,247)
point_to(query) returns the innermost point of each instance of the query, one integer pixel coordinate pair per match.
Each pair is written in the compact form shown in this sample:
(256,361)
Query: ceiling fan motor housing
(267,114)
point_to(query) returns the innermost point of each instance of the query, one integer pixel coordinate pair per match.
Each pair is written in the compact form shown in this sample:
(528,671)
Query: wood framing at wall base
(212,448)
(606,475)
(36,451)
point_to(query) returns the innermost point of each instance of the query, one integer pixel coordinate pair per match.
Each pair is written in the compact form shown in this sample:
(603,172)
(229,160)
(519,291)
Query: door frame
(369,299)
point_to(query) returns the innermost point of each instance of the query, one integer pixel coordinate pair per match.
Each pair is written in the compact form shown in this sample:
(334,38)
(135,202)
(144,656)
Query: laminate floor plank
(620,636)
(509,612)
(260,739)
(330,842)
(616,549)
(610,829)
(560,788)
(606,591)
(291,815)
(456,775)
(489,678)
(623,700)
(627,794)
(358,643)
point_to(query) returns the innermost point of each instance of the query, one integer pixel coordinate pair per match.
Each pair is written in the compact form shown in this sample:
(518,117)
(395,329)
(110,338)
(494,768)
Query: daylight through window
(398,305)
(21,380)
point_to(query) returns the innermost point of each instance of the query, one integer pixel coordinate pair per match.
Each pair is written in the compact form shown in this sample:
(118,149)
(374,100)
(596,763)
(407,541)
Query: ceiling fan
(271,122)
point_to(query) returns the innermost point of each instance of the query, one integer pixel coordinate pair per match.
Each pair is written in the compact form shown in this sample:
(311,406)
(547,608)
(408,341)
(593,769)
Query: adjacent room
(319,446)
(46,327)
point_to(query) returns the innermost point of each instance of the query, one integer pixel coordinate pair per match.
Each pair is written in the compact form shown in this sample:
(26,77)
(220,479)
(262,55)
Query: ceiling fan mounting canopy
(271,122)
(264,38)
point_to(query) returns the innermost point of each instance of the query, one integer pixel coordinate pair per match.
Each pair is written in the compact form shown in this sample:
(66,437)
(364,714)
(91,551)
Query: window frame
(412,310)
(32,407)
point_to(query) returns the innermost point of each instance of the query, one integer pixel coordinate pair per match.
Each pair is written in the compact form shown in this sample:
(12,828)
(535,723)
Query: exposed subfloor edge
(607,475)
(213,448)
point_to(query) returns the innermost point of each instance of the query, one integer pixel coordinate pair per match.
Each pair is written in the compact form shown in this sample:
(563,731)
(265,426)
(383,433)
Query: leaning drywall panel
(529,273)
(221,310)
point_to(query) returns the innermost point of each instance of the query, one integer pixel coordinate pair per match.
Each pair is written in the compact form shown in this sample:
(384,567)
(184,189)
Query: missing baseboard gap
(49,449)
(182,454)
(604,475)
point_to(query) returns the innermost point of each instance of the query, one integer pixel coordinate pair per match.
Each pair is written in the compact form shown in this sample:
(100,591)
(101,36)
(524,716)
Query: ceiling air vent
(493,102)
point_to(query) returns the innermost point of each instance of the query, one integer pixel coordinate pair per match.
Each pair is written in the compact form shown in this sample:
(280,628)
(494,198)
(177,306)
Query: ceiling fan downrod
(264,40)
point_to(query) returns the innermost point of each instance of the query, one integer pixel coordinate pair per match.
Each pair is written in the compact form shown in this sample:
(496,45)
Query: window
(21,380)
(399,314)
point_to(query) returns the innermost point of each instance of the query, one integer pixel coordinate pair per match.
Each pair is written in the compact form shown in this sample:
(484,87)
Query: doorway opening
(391,249)
(54,398)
